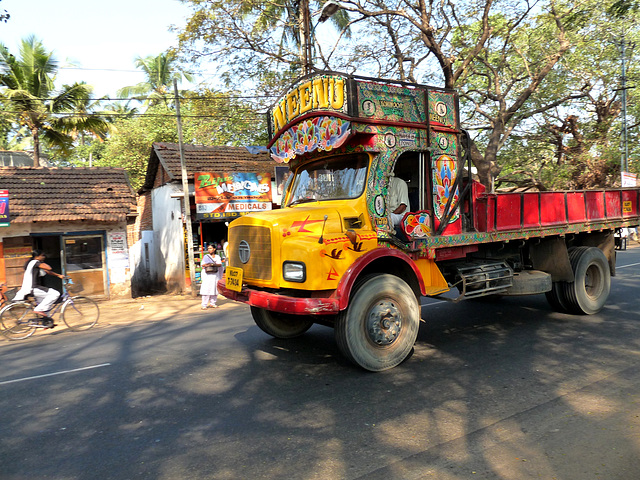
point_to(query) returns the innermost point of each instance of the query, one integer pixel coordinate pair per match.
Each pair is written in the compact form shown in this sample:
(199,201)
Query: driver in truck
(398,202)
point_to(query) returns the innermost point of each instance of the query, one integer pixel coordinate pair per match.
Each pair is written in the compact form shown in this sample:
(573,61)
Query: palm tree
(27,87)
(114,111)
(85,119)
(160,72)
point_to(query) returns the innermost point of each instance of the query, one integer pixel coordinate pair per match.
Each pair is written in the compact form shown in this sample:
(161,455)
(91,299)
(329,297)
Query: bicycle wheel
(80,313)
(17,321)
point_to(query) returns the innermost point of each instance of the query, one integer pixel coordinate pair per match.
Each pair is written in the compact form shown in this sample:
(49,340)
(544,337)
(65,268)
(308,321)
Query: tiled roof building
(160,228)
(78,217)
(201,159)
(68,194)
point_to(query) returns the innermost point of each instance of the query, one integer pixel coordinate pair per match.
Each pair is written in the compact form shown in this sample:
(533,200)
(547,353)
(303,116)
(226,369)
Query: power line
(101,70)
(168,97)
(246,115)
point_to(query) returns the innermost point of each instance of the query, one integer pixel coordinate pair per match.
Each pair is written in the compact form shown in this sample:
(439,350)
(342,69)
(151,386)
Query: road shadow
(492,390)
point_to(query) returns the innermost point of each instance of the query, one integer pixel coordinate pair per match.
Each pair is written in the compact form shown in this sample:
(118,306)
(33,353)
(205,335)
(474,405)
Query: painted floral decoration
(319,133)
(444,175)
(418,225)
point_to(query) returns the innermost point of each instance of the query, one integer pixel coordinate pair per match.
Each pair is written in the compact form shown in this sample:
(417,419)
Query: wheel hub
(384,323)
(593,281)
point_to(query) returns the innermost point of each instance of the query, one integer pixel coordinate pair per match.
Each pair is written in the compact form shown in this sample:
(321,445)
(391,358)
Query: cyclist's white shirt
(27,280)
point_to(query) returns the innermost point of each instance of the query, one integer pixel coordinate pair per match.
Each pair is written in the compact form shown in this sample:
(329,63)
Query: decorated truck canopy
(321,112)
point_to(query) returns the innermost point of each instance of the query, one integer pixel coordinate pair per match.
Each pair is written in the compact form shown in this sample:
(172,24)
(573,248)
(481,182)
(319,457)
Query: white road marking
(630,265)
(55,373)
(437,302)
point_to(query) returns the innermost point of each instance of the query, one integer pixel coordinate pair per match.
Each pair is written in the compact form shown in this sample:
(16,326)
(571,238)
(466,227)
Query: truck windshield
(331,178)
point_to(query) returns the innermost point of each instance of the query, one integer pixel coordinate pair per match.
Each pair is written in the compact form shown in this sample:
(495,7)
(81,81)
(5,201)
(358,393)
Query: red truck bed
(499,212)
(499,217)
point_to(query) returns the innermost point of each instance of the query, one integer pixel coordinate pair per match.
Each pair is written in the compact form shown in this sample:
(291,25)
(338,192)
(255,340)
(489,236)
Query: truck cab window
(333,178)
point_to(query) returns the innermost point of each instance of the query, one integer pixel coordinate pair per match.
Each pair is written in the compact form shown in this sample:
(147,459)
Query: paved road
(494,390)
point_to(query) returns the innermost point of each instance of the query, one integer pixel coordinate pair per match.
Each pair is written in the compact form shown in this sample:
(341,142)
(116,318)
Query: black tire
(280,325)
(590,289)
(380,327)
(556,299)
(16,320)
(80,313)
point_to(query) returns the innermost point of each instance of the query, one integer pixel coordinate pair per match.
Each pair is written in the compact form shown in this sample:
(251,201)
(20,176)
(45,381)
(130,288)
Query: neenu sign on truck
(332,256)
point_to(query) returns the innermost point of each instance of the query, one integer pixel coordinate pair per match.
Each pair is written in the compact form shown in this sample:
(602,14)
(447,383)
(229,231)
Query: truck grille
(259,239)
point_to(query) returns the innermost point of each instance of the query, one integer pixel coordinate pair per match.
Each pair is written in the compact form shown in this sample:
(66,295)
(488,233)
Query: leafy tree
(5,128)
(222,118)
(580,137)
(621,8)
(257,36)
(209,118)
(27,90)
(82,155)
(130,146)
(501,55)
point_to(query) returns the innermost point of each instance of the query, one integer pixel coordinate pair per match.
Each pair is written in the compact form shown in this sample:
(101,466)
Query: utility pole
(306,42)
(625,138)
(185,191)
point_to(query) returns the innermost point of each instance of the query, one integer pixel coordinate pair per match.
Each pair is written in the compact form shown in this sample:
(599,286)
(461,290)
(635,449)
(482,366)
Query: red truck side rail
(534,210)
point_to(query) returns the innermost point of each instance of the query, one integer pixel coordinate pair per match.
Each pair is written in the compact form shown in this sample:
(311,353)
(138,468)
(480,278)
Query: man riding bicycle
(34,270)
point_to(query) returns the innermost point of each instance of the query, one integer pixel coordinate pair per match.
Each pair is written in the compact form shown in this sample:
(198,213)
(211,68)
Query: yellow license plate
(234,279)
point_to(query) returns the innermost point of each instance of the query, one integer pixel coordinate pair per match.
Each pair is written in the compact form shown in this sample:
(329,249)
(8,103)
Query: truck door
(412,168)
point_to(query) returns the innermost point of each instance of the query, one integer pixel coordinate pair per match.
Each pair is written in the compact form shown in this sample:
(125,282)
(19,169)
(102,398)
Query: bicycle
(79,313)
(4,299)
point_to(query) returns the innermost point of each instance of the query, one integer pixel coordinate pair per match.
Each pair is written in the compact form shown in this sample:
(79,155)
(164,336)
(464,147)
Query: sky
(101,38)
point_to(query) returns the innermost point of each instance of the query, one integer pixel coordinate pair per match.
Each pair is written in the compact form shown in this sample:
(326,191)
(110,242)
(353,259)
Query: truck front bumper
(281,303)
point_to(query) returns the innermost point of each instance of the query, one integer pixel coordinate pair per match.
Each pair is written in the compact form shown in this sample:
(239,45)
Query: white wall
(168,238)
(144,265)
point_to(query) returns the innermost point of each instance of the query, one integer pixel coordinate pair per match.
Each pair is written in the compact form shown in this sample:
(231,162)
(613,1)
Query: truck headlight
(294,272)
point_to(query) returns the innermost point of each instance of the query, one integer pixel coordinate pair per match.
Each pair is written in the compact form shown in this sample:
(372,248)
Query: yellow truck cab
(334,254)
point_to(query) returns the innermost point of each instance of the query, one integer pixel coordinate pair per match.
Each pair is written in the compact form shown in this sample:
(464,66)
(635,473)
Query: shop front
(86,241)
(81,256)
(222,197)
(224,183)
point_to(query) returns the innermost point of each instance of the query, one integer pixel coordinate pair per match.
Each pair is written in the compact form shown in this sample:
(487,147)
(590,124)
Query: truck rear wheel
(556,299)
(589,291)
(380,327)
(280,325)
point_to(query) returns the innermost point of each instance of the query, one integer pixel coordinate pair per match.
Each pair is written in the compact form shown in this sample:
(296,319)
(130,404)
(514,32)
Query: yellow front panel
(311,234)
(326,262)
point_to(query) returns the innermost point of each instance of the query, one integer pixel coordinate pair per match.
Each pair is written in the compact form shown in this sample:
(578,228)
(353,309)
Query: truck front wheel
(380,327)
(280,325)
(589,291)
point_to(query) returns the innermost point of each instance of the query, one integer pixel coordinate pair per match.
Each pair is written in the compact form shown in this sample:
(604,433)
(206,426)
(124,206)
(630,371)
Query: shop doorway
(84,263)
(212,232)
(50,245)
